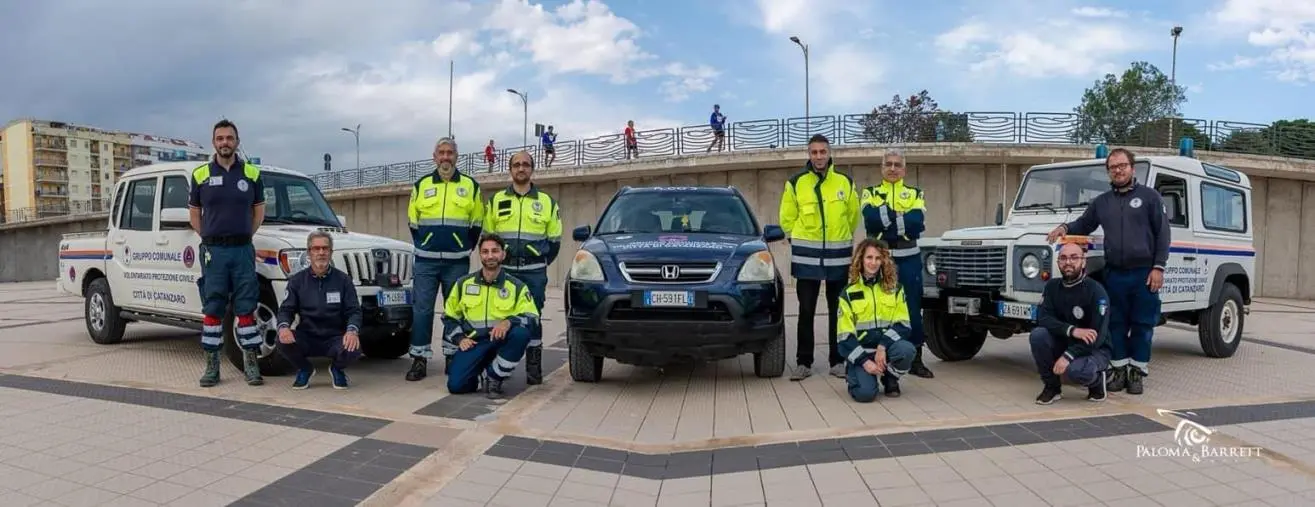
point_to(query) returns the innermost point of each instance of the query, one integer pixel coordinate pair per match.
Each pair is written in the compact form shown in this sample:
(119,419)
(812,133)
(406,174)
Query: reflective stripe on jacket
(476,305)
(531,225)
(820,213)
(895,213)
(867,316)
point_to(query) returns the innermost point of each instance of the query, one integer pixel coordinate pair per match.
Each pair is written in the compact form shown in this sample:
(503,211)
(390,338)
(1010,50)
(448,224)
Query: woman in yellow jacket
(873,329)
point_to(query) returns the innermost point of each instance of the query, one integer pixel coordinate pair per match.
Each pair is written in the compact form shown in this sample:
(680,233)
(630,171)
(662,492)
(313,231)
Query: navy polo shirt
(226,198)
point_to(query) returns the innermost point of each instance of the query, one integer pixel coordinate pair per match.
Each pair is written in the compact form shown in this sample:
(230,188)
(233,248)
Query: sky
(292,73)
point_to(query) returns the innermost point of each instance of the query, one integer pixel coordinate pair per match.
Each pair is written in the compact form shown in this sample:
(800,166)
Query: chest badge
(1135,202)
(461,191)
(502,293)
(431,193)
(242,185)
(472,289)
(1077,312)
(840,194)
(537,207)
(904,194)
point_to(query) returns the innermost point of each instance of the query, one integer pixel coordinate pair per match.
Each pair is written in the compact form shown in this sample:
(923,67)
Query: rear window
(659,212)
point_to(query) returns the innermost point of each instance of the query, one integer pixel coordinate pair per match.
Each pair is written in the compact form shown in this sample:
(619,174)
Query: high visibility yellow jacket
(895,213)
(867,316)
(446,217)
(531,224)
(476,305)
(819,213)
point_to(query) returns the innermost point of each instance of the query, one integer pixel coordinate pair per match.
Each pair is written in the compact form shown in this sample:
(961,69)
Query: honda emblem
(670,272)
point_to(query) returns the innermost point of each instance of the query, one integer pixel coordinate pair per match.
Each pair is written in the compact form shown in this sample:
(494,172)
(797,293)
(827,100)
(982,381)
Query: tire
(272,363)
(1220,327)
(101,315)
(770,363)
(385,345)
(944,343)
(584,367)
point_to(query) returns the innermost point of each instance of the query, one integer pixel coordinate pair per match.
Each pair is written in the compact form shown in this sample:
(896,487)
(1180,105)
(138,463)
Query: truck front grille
(360,265)
(978,267)
(670,272)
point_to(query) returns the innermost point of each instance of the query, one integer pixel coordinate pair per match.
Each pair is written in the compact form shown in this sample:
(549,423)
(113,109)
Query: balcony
(51,177)
(59,162)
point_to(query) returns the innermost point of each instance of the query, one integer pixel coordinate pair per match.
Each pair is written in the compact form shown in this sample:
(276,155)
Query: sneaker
(339,377)
(838,371)
(1117,379)
(1096,392)
(801,372)
(303,379)
(419,369)
(1135,377)
(1049,395)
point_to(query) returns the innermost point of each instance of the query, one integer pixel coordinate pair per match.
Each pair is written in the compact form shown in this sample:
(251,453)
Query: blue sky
(292,73)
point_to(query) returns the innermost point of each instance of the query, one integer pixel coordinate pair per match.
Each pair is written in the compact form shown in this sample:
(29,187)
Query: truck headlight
(929,263)
(293,260)
(1030,265)
(759,267)
(585,266)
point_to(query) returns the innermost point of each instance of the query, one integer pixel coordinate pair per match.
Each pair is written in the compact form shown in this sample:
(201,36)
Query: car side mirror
(175,218)
(581,233)
(999,213)
(773,233)
(342,220)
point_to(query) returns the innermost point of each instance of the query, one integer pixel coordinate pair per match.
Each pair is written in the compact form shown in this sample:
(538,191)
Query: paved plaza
(127,425)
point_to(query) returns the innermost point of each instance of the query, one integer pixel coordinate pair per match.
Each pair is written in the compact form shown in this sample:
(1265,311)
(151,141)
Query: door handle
(120,240)
(161,241)
(1189,258)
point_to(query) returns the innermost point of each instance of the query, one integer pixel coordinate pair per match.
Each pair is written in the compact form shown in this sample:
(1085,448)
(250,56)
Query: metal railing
(861,129)
(69,208)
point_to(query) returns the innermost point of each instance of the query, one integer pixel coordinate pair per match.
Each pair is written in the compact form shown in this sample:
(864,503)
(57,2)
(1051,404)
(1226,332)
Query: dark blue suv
(675,275)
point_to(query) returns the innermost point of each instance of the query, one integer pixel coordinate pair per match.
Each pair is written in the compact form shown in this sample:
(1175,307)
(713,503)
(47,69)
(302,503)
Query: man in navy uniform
(1071,339)
(325,299)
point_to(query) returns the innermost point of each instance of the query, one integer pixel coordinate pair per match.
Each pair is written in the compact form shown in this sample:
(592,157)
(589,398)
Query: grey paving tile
(473,406)
(349,474)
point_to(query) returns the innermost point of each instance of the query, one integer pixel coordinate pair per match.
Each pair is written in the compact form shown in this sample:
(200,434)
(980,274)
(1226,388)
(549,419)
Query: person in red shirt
(632,143)
(489,156)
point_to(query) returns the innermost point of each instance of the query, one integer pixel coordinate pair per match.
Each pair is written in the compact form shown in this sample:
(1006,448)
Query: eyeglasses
(1070,258)
(1119,166)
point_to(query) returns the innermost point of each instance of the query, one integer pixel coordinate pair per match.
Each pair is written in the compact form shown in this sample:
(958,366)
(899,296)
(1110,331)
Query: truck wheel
(584,367)
(103,321)
(948,343)
(272,363)
(770,362)
(1220,328)
(385,345)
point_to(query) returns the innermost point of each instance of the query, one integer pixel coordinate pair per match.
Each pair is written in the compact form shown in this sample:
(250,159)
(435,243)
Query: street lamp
(1173,77)
(356,132)
(804,47)
(525,104)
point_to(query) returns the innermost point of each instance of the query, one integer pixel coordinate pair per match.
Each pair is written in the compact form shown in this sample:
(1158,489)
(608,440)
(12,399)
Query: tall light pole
(356,132)
(807,116)
(451,80)
(525,104)
(1173,79)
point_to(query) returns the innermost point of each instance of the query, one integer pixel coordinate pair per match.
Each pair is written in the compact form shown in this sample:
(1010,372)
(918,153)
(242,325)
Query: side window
(1223,208)
(139,214)
(176,192)
(118,209)
(1173,190)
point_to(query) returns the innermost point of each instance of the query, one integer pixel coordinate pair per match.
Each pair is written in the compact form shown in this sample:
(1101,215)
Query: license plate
(394,297)
(965,306)
(1016,310)
(669,298)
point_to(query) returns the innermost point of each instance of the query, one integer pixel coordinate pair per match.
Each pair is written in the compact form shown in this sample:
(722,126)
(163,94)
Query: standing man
(227,206)
(1136,251)
(819,211)
(549,151)
(529,221)
(490,155)
(718,123)
(446,212)
(895,212)
(632,142)
(325,299)
(1072,334)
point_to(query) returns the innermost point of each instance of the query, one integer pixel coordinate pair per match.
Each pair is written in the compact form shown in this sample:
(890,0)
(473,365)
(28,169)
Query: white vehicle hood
(342,239)
(1017,227)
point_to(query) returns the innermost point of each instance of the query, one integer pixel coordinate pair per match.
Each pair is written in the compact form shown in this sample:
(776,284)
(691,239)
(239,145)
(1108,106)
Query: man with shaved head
(1072,338)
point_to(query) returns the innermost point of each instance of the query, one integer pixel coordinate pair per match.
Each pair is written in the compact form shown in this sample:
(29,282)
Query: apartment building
(53,168)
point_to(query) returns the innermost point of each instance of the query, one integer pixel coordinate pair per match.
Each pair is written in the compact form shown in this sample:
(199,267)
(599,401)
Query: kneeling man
(1072,339)
(325,299)
(487,321)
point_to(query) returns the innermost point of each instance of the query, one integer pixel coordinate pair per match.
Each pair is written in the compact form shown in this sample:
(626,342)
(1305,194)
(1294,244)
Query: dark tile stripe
(1286,346)
(475,405)
(256,412)
(1241,414)
(38,323)
(345,477)
(762,457)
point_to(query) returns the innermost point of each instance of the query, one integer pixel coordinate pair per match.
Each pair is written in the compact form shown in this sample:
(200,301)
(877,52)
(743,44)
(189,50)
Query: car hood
(672,246)
(996,232)
(342,238)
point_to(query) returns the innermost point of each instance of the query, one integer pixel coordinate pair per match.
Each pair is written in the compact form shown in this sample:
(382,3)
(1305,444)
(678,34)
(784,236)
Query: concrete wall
(963,183)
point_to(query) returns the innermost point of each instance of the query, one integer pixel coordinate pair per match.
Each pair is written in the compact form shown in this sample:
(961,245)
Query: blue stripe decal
(271,261)
(1201,251)
(87,257)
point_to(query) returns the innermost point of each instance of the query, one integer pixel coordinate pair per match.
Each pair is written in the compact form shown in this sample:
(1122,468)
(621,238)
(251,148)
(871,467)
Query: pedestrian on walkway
(549,141)
(529,220)
(323,299)
(446,213)
(227,205)
(718,123)
(819,211)
(873,327)
(1136,243)
(1071,339)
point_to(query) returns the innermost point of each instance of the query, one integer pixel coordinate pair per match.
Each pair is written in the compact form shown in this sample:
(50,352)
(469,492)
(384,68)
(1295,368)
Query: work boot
(211,376)
(918,368)
(1134,376)
(1118,379)
(892,387)
(534,366)
(251,367)
(492,387)
(419,369)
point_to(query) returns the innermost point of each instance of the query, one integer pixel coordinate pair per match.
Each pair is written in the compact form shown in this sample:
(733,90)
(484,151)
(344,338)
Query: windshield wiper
(276,220)
(1076,205)
(1035,205)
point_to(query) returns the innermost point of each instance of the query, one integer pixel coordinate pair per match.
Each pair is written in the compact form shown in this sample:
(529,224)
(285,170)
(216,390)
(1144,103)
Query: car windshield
(295,200)
(660,212)
(1067,187)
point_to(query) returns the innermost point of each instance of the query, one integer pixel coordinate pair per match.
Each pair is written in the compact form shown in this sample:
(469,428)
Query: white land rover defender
(983,280)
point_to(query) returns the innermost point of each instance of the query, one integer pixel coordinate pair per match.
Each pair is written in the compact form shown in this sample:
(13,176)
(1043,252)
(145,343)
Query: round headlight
(929,263)
(1030,265)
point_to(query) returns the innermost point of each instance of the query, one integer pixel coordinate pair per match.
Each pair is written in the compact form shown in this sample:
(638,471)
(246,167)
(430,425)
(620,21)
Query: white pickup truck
(984,280)
(144,268)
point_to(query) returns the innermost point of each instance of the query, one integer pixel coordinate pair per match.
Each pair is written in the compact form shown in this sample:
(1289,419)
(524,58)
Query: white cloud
(1098,12)
(1083,43)
(842,74)
(1283,32)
